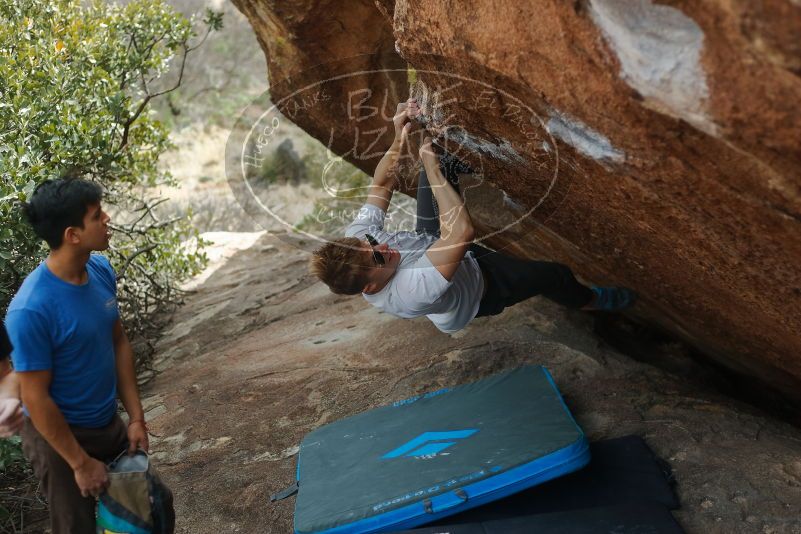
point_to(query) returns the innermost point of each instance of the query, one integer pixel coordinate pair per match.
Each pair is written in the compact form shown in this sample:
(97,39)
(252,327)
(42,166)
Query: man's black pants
(509,280)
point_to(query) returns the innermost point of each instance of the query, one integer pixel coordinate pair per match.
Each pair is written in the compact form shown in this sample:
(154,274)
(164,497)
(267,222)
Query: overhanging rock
(643,144)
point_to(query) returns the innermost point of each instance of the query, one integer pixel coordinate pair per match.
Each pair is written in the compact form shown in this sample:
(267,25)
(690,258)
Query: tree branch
(180,74)
(132,257)
(127,126)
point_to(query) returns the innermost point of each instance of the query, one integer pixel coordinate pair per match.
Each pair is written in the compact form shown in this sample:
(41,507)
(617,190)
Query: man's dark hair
(5,343)
(342,265)
(58,204)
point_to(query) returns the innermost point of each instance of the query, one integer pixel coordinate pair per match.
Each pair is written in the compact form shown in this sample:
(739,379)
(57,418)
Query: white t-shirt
(418,288)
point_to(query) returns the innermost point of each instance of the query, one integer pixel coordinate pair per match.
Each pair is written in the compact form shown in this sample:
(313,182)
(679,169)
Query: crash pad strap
(284,493)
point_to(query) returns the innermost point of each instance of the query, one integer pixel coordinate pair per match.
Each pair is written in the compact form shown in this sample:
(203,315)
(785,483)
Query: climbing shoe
(613,298)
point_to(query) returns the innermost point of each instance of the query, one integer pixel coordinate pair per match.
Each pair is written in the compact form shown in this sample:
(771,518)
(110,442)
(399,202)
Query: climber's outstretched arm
(385,176)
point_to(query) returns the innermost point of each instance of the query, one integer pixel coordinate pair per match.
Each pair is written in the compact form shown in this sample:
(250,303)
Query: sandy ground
(261,354)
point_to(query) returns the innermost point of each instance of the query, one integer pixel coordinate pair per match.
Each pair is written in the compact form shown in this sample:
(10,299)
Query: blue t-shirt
(68,329)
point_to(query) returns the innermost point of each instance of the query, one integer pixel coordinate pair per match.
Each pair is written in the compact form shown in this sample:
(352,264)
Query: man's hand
(92,477)
(427,153)
(405,112)
(137,437)
(10,417)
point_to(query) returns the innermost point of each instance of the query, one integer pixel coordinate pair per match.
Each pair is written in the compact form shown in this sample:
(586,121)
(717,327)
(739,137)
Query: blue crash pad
(431,456)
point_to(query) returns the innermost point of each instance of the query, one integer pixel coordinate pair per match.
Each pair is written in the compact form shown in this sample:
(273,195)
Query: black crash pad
(625,488)
(641,518)
(621,471)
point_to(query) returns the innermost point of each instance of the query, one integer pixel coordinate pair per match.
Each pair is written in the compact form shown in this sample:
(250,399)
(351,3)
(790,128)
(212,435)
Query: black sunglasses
(379,259)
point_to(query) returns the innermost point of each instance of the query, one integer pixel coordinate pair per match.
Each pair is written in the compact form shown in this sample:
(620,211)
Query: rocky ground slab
(262,353)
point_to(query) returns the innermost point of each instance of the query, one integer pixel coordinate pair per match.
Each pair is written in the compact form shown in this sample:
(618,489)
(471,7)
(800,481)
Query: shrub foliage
(77,80)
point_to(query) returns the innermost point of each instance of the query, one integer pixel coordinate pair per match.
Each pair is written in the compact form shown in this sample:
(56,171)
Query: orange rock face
(653,145)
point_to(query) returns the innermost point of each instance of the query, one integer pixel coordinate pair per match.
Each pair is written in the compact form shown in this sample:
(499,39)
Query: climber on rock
(437,270)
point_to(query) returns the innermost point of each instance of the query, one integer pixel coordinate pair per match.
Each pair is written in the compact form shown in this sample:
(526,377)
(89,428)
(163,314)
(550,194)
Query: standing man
(437,271)
(72,357)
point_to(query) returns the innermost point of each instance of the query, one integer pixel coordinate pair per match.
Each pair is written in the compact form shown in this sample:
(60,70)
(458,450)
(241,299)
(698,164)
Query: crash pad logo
(429,444)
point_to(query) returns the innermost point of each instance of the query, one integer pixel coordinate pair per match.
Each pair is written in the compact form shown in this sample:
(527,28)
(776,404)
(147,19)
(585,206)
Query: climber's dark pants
(509,280)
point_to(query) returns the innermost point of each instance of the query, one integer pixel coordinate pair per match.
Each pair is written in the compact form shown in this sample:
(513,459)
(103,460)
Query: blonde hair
(342,265)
